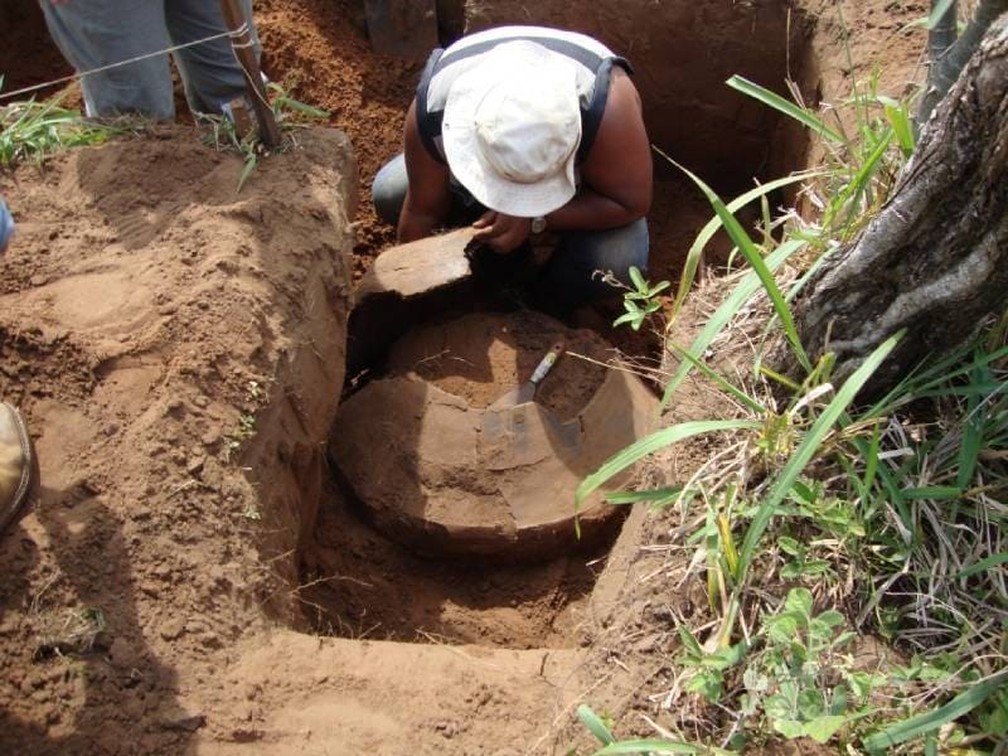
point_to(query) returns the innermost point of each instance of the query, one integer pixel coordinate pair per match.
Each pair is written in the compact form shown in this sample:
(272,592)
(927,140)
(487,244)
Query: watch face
(538,225)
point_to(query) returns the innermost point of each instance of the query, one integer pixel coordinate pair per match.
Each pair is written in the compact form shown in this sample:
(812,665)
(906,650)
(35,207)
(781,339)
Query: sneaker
(18,466)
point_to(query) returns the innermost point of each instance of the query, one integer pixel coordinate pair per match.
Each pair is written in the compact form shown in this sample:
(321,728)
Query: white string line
(243,29)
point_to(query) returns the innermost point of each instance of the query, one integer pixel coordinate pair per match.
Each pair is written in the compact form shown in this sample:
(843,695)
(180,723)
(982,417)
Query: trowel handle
(546,363)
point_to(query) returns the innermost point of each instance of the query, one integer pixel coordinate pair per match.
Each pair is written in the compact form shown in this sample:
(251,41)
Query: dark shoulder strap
(594,108)
(429,124)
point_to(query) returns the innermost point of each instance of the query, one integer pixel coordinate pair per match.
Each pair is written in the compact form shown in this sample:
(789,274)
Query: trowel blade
(515,396)
(526,434)
(526,391)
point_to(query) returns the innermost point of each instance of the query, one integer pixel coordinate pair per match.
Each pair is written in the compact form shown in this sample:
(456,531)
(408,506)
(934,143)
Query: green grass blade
(657,746)
(695,253)
(652,443)
(738,394)
(901,122)
(922,724)
(657,496)
(807,449)
(741,294)
(939,10)
(973,431)
(860,182)
(932,493)
(994,560)
(595,725)
(755,259)
(784,106)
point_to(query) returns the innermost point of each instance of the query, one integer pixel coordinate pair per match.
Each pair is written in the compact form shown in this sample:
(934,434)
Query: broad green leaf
(789,728)
(638,280)
(821,729)
(799,600)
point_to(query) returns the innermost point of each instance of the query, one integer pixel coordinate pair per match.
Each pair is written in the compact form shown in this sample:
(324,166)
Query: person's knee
(388,191)
(620,249)
(585,262)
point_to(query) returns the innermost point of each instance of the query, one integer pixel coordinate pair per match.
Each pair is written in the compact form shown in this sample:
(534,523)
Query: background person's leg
(568,278)
(211,75)
(97,33)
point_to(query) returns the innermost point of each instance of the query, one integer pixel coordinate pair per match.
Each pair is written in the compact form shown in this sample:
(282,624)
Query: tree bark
(947,55)
(935,259)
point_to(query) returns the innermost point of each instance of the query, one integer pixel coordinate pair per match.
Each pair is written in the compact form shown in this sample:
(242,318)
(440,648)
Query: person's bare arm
(616,177)
(428,198)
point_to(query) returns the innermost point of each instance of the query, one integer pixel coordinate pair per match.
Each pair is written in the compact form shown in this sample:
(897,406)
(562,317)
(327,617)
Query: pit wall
(682,52)
(284,460)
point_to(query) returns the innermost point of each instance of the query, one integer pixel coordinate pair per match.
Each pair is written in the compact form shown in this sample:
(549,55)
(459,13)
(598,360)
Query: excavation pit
(185,490)
(440,466)
(416,538)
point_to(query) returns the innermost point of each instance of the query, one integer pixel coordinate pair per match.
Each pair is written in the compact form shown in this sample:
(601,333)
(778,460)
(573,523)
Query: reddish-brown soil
(190,578)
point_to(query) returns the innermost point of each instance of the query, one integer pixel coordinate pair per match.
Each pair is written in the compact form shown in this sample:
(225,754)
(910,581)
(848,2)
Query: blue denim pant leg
(99,33)
(569,278)
(388,193)
(388,190)
(6,225)
(210,73)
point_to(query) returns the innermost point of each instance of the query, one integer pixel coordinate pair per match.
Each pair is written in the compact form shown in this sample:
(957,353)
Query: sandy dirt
(190,577)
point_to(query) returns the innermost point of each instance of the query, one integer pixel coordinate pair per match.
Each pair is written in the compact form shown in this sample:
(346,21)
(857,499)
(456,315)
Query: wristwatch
(538,224)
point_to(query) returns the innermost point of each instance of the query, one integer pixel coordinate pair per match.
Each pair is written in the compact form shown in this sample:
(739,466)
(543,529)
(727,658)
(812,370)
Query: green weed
(641,301)
(236,133)
(30,130)
(885,519)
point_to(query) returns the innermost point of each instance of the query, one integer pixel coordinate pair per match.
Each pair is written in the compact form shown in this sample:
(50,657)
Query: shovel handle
(546,363)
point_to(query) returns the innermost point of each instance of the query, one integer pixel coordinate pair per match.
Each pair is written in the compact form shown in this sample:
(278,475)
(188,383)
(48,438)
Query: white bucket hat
(511,129)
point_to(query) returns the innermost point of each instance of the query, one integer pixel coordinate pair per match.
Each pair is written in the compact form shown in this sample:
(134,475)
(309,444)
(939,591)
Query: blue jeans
(569,278)
(6,225)
(96,33)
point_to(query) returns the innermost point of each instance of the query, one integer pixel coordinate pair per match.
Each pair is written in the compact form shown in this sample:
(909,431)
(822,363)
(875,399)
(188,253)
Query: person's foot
(17,464)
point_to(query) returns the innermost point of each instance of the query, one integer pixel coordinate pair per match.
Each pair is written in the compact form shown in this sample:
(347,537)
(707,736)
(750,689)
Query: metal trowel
(526,391)
(516,431)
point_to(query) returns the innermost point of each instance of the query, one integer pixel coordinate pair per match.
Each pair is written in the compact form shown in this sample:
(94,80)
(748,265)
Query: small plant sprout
(641,301)
(229,133)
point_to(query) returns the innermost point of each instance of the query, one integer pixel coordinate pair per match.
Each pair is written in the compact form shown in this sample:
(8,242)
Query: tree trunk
(935,259)
(947,55)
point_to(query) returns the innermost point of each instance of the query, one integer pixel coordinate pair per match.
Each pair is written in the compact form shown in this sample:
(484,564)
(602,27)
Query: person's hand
(502,233)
